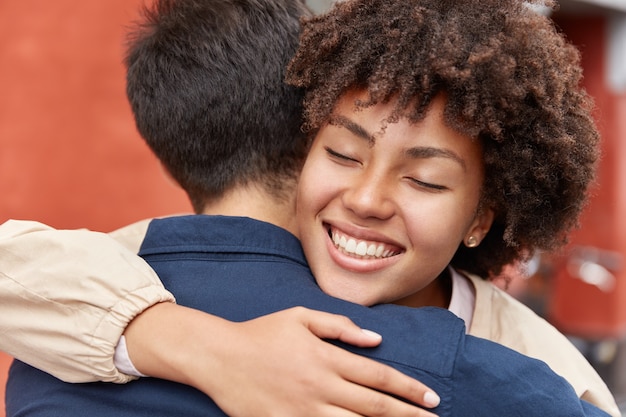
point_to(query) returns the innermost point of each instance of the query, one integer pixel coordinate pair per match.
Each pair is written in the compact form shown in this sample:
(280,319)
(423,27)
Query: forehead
(375,124)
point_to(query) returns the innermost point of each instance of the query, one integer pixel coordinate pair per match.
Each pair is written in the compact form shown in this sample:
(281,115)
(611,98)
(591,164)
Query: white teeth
(361,248)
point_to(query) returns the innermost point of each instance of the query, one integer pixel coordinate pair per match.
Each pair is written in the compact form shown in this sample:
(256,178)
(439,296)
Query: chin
(347,294)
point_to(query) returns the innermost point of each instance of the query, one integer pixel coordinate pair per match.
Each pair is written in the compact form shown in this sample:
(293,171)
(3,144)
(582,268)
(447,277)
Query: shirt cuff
(122,361)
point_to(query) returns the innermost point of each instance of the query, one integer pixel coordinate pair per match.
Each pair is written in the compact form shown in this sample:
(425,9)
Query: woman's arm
(67,296)
(275,365)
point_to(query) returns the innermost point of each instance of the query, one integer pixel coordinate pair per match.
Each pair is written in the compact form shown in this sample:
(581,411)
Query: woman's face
(382,212)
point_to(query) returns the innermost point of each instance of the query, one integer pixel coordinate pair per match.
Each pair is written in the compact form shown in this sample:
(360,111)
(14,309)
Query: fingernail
(372,334)
(431,399)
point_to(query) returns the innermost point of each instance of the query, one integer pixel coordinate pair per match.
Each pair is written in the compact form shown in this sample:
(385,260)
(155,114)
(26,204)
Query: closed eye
(337,155)
(427,185)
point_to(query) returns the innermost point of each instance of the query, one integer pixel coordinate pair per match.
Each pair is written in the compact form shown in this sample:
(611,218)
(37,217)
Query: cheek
(312,191)
(317,184)
(436,225)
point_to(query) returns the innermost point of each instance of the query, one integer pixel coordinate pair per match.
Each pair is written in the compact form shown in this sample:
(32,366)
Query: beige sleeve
(66,297)
(505,320)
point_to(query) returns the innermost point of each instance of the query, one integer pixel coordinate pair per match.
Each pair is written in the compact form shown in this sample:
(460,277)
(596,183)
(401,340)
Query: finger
(368,402)
(371,374)
(333,326)
(363,371)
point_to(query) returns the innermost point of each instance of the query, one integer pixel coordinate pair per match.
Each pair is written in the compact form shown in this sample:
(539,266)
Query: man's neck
(254,202)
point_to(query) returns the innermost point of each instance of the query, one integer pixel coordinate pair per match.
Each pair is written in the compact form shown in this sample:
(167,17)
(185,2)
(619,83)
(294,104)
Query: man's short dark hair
(206,85)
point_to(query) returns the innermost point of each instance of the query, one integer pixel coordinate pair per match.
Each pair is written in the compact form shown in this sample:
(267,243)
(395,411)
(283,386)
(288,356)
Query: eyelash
(429,186)
(432,187)
(335,154)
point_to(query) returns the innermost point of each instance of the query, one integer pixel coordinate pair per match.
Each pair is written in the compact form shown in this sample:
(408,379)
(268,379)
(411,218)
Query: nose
(369,196)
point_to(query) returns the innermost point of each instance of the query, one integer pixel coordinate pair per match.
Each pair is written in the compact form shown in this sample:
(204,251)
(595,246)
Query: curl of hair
(510,80)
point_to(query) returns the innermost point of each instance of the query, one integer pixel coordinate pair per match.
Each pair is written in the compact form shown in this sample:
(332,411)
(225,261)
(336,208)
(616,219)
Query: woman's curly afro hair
(510,80)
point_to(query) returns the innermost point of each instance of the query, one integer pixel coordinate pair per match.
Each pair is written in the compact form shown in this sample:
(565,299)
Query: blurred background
(70,156)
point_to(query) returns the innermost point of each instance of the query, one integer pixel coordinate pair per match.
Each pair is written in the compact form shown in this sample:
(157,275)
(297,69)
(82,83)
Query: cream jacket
(70,330)
(501,318)
(67,296)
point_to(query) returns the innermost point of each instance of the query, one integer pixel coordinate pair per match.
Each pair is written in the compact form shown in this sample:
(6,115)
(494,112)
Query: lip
(360,264)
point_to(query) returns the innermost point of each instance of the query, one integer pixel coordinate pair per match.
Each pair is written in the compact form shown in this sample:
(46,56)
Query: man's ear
(479,228)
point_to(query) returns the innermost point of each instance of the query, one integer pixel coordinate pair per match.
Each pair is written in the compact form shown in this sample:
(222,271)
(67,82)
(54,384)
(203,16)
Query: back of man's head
(206,85)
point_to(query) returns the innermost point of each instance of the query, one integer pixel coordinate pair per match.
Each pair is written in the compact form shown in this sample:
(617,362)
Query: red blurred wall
(69,152)
(70,155)
(577,307)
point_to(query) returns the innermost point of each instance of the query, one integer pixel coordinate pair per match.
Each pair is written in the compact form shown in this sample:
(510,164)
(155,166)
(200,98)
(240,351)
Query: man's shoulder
(428,338)
(133,234)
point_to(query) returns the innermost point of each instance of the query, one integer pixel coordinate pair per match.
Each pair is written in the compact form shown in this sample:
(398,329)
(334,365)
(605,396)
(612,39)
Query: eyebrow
(430,152)
(418,152)
(355,128)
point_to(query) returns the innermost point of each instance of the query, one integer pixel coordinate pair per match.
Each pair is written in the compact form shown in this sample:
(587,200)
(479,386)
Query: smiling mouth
(362,249)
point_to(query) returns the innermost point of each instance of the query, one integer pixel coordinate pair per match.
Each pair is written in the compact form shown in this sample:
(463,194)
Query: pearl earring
(472,242)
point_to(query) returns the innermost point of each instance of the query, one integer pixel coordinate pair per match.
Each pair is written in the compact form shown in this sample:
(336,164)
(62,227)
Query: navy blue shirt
(240,268)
